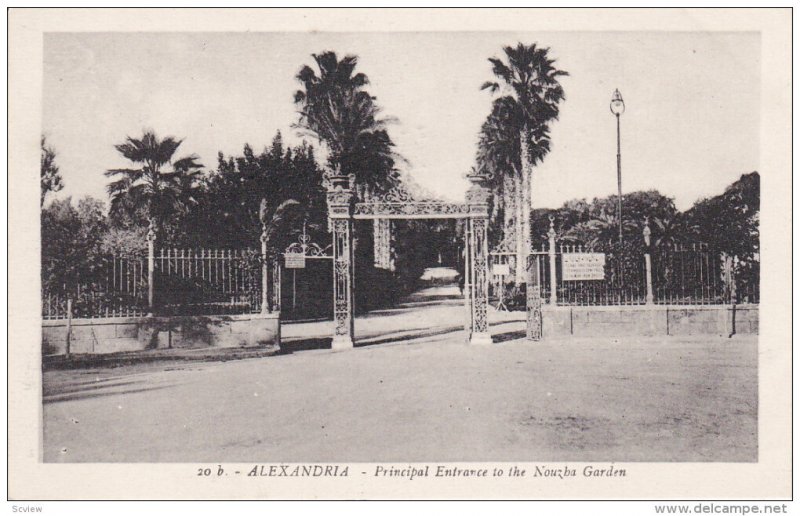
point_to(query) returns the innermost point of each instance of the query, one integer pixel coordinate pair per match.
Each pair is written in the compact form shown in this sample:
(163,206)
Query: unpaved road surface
(415,392)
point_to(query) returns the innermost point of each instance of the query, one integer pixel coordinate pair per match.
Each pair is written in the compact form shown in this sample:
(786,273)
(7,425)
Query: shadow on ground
(507,336)
(314,343)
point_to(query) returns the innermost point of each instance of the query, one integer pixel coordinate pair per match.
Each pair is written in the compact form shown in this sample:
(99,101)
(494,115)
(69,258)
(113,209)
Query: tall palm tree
(497,157)
(336,108)
(160,185)
(530,94)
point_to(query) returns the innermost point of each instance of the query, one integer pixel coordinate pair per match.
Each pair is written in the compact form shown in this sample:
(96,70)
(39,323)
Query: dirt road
(415,392)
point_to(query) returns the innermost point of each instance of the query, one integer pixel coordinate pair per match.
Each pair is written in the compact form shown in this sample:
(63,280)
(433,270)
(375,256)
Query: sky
(691,124)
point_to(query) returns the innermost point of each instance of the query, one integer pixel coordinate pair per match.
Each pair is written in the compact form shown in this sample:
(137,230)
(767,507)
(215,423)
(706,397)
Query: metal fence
(623,283)
(185,282)
(114,287)
(690,274)
(680,274)
(207,281)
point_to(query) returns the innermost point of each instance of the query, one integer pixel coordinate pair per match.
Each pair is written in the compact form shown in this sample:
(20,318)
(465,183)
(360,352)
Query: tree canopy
(516,136)
(159,188)
(50,177)
(229,199)
(727,222)
(336,108)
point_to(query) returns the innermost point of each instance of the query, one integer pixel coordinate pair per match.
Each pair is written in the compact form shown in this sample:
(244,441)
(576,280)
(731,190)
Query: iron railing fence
(689,274)
(747,281)
(115,287)
(624,280)
(185,282)
(680,274)
(207,281)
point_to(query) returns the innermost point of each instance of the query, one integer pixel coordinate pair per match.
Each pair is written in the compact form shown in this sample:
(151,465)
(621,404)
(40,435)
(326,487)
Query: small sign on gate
(501,269)
(583,266)
(295,260)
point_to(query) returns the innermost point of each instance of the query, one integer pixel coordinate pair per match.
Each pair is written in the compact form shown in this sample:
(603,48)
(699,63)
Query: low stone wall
(644,320)
(138,333)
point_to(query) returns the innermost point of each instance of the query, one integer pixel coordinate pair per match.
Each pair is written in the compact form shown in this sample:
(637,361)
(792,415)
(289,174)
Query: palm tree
(159,190)
(497,156)
(530,95)
(274,221)
(336,108)
(668,231)
(600,232)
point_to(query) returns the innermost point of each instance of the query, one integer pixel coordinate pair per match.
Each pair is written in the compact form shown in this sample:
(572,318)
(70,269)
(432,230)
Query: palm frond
(279,215)
(187,163)
(500,69)
(491,86)
(134,173)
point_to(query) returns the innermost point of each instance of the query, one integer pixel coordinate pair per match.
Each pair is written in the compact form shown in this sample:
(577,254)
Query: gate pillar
(382,244)
(340,214)
(533,299)
(478,258)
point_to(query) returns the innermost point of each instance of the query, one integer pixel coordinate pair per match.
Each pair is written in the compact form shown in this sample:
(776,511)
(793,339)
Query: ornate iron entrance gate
(295,257)
(343,209)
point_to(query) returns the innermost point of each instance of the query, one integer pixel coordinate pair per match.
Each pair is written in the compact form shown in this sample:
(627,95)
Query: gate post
(265,308)
(533,300)
(151,266)
(478,199)
(340,213)
(648,266)
(276,284)
(551,240)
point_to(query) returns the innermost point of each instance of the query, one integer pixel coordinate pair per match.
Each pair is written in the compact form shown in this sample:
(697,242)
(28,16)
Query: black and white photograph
(405,256)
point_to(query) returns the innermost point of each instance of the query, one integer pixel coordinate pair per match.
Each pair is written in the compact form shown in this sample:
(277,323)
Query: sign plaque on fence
(501,269)
(583,266)
(295,260)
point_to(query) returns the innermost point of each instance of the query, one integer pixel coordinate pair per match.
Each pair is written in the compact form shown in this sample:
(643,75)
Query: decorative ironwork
(342,283)
(533,302)
(339,196)
(405,193)
(382,244)
(477,197)
(340,203)
(411,210)
(551,242)
(304,246)
(400,204)
(506,247)
(480,284)
(276,286)
(397,195)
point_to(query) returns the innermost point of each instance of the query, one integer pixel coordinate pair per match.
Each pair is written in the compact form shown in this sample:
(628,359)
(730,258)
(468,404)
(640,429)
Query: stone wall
(649,320)
(137,333)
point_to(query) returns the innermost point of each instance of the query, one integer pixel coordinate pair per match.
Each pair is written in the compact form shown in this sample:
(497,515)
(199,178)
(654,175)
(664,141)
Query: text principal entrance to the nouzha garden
(343,209)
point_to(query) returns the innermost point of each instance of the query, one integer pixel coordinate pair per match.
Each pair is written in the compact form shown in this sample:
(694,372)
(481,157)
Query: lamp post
(617,108)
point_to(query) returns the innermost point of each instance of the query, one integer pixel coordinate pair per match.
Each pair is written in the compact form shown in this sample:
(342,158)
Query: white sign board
(583,266)
(295,260)
(501,269)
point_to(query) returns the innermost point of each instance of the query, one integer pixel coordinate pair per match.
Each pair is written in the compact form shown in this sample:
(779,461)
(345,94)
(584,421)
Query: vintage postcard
(400,254)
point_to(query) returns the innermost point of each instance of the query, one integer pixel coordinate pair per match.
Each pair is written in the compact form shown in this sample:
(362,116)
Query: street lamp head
(617,105)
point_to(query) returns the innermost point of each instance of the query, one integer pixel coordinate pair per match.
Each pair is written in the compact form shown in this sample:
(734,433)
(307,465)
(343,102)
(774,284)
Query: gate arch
(343,209)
